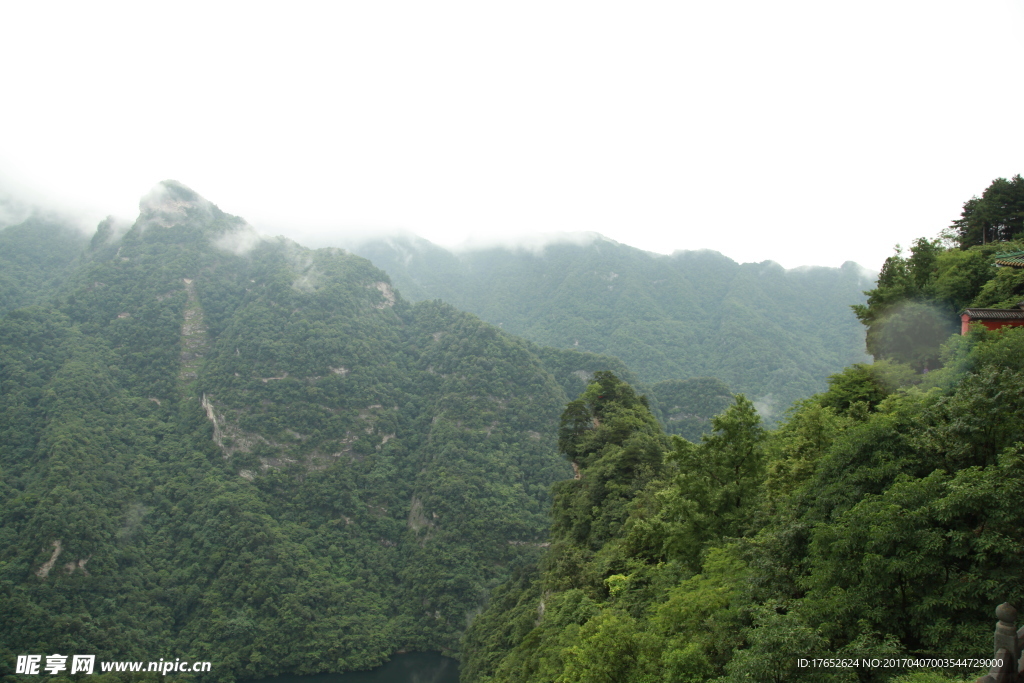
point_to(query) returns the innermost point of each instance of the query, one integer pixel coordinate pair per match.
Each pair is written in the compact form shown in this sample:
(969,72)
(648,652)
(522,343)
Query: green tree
(997,216)
(714,494)
(616,447)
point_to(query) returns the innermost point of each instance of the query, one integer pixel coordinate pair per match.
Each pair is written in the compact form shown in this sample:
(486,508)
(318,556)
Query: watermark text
(35,665)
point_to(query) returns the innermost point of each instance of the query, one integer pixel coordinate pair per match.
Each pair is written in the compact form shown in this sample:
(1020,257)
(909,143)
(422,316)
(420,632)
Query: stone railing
(1007,646)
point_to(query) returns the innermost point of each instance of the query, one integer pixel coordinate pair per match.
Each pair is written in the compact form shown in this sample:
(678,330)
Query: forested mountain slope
(220,447)
(35,258)
(880,521)
(762,330)
(224,448)
(878,524)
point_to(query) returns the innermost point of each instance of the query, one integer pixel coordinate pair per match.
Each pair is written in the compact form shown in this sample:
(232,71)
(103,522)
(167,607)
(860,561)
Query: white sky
(806,132)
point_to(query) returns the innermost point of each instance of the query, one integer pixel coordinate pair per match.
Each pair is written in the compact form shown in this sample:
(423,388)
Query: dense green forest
(771,333)
(881,518)
(35,258)
(225,448)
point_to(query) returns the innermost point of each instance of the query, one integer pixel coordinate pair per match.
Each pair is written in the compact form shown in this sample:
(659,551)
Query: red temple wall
(989,324)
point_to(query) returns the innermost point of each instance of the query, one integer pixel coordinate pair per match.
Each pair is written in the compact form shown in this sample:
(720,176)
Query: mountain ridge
(667,316)
(258,454)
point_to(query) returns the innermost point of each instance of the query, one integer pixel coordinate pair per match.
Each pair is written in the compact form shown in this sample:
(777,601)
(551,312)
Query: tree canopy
(880,519)
(996,216)
(239,450)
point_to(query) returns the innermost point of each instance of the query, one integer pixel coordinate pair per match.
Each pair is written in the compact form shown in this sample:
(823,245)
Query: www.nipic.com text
(85,664)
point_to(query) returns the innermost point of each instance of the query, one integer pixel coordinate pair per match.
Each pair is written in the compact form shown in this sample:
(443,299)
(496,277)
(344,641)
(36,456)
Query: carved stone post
(1005,643)
(1006,632)
(1006,648)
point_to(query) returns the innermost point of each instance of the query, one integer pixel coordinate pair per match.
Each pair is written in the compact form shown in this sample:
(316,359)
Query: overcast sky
(805,132)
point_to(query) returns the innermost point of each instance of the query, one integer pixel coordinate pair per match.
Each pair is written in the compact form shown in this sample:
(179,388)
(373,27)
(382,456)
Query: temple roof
(995,313)
(1014,259)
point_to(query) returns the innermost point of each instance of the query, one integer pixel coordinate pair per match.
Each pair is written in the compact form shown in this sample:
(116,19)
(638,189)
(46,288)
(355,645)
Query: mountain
(221,447)
(771,333)
(35,257)
(879,523)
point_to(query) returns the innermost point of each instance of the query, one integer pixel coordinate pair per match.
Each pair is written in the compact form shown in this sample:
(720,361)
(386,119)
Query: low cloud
(112,229)
(19,202)
(12,211)
(241,241)
(171,203)
(534,242)
(307,277)
(766,406)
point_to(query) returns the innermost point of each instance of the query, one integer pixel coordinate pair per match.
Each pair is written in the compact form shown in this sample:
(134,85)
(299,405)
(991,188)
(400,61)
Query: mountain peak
(173,203)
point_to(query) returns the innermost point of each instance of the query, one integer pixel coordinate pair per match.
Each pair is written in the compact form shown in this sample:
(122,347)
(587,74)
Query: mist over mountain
(36,257)
(771,333)
(235,449)
(878,521)
(219,446)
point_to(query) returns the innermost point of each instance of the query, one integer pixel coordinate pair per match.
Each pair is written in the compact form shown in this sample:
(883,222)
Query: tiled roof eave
(994,314)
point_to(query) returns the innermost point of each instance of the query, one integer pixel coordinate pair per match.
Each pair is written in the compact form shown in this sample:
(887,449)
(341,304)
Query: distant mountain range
(771,333)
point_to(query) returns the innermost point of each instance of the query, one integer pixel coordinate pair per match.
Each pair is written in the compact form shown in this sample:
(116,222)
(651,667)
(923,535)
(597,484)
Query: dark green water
(412,667)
